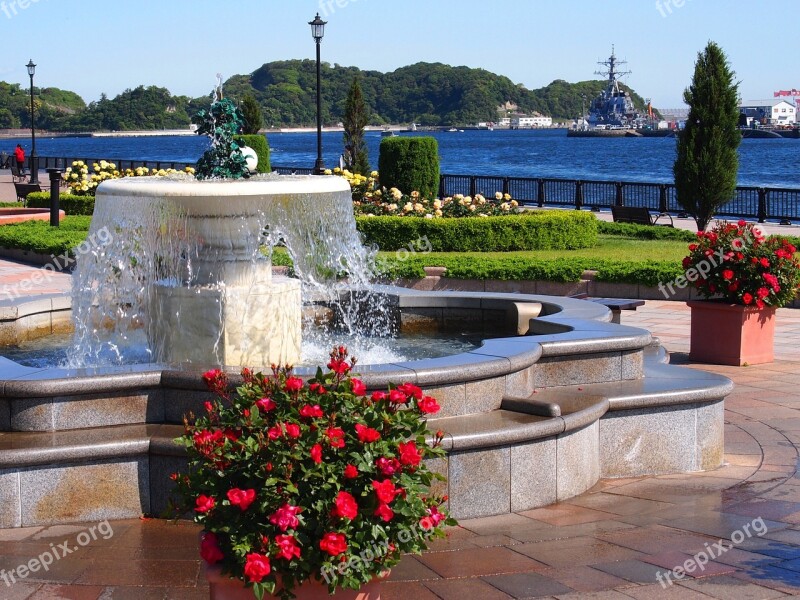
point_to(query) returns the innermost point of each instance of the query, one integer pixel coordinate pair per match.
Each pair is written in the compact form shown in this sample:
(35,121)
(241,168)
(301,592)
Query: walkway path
(614,542)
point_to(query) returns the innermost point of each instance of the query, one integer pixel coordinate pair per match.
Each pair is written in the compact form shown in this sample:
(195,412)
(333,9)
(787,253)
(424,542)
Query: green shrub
(69,203)
(645,232)
(410,164)
(260,145)
(10,204)
(38,236)
(541,230)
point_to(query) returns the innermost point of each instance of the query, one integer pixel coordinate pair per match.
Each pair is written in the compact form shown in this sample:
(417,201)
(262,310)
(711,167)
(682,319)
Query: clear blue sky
(92,47)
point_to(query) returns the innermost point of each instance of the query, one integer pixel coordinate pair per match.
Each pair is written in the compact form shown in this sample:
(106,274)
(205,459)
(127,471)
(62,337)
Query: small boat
(388,133)
(452,130)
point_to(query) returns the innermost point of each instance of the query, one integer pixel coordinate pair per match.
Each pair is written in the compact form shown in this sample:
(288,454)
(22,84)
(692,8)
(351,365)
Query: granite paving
(730,533)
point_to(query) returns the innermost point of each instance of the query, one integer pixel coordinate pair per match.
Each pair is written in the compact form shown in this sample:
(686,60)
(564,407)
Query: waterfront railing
(750,202)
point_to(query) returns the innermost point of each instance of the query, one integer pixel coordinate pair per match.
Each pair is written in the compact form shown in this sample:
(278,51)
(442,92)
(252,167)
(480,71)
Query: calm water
(526,153)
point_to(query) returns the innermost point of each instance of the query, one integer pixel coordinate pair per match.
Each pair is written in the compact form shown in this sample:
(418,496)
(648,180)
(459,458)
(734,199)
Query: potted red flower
(744,277)
(309,487)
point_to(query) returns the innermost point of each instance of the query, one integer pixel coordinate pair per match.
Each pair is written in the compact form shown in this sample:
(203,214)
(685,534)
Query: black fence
(762,203)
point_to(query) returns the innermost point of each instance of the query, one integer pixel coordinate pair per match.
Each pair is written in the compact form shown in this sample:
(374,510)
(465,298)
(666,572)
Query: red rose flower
(762,293)
(409,454)
(266,404)
(384,512)
(385,490)
(367,435)
(358,387)
(346,506)
(428,405)
(317,388)
(209,549)
(378,396)
(274,432)
(335,437)
(397,397)
(256,567)
(387,466)
(727,274)
(747,298)
(333,543)
(241,498)
(764,262)
(339,366)
(287,547)
(760,303)
(293,430)
(293,384)
(204,503)
(411,390)
(285,517)
(350,472)
(316,453)
(311,412)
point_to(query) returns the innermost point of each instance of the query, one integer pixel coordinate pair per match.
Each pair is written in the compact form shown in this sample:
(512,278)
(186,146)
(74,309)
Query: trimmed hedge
(410,164)
(258,143)
(515,269)
(69,203)
(645,232)
(38,236)
(551,230)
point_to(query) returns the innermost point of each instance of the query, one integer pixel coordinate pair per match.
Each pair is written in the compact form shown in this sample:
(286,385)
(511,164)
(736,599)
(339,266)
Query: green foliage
(648,272)
(707,158)
(39,237)
(260,144)
(551,230)
(224,159)
(644,232)
(292,480)
(410,164)
(69,203)
(253,120)
(356,117)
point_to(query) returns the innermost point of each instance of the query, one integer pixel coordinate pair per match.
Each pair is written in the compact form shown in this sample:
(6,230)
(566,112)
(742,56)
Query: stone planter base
(729,334)
(224,588)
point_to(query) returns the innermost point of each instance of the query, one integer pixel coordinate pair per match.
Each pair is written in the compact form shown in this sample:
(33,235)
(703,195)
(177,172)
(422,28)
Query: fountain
(557,399)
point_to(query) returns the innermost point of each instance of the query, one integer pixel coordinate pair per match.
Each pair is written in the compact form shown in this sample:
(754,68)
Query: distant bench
(23,189)
(638,216)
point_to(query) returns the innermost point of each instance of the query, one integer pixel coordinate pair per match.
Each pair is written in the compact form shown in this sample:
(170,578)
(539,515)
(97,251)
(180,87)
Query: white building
(773,111)
(504,122)
(522,122)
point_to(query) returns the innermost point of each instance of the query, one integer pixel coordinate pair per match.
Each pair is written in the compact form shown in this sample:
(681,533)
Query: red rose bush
(297,480)
(735,263)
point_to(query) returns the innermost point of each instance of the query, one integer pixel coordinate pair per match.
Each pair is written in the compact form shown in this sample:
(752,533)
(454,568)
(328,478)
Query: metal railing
(760,203)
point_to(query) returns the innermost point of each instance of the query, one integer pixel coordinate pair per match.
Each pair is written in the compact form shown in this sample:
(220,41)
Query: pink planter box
(729,334)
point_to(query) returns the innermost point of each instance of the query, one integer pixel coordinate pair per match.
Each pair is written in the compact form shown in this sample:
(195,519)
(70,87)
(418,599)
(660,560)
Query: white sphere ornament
(250,157)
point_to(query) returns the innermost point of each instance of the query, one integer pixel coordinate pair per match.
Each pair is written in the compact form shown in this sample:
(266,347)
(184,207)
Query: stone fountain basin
(529,420)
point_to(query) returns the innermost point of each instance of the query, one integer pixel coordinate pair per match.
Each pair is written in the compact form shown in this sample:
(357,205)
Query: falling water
(154,240)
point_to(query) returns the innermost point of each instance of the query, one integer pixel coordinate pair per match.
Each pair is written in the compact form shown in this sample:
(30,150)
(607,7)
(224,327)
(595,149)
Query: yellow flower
(438,213)
(498,195)
(408,207)
(374,174)
(328,172)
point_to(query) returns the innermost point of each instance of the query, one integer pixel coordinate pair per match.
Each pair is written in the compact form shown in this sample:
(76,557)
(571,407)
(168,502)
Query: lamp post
(317,31)
(34,160)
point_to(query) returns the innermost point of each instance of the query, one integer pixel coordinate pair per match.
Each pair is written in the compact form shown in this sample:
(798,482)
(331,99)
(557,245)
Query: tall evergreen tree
(707,158)
(356,117)
(251,112)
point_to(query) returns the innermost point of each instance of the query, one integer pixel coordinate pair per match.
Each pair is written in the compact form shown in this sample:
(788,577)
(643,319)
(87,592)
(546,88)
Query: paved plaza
(616,541)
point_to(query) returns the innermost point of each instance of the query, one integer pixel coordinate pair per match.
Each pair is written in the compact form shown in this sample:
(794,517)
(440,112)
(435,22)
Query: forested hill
(424,93)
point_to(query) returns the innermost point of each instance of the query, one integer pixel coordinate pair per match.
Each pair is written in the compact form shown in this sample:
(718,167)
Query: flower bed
(292,480)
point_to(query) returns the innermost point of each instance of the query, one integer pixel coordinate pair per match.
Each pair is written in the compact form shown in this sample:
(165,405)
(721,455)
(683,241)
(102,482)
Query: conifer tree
(707,159)
(251,112)
(356,117)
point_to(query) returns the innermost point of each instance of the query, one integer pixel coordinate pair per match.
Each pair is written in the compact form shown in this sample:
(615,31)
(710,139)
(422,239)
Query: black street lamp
(317,31)
(33,158)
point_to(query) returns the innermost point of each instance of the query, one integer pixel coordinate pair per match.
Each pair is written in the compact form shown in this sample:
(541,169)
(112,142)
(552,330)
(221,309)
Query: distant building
(524,122)
(504,122)
(773,111)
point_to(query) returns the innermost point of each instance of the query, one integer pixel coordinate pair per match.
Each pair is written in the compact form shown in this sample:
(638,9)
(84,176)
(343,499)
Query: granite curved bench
(529,419)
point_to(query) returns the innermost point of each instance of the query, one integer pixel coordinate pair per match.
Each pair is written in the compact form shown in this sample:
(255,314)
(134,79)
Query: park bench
(638,216)
(616,305)
(16,174)
(23,189)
